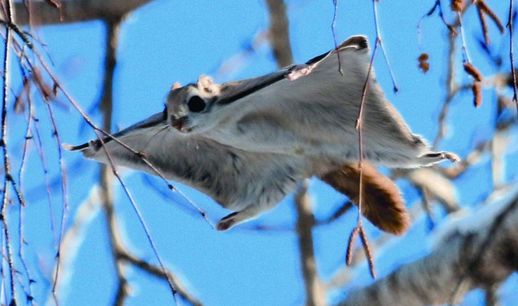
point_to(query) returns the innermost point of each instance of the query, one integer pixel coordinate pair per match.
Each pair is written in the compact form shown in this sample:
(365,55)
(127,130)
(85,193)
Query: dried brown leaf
(473,71)
(483,25)
(477,93)
(488,11)
(457,5)
(368,252)
(350,242)
(424,65)
(45,90)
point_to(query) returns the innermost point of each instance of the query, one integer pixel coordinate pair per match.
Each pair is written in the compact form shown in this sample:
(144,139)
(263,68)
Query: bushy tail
(382,203)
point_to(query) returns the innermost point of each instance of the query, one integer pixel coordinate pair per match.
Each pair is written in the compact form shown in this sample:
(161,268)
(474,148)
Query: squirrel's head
(189,107)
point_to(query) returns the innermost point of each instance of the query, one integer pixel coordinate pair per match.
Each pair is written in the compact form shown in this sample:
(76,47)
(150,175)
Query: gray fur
(257,138)
(314,115)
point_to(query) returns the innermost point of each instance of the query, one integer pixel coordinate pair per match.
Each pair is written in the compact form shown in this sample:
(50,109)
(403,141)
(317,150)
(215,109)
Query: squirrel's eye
(196,104)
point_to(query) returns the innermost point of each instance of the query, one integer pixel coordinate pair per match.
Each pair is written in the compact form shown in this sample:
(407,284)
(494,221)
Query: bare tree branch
(158,272)
(120,254)
(482,248)
(451,90)
(106,175)
(8,178)
(436,184)
(347,274)
(279,33)
(511,52)
(74,236)
(305,221)
(74,11)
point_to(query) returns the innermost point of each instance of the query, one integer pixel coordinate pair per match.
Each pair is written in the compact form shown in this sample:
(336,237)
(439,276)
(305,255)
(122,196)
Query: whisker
(165,127)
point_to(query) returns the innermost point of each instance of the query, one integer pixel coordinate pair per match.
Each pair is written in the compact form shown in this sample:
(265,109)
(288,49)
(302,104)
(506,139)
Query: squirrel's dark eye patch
(196,104)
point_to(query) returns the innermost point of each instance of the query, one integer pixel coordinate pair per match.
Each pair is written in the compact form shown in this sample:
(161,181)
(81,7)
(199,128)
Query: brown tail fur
(382,203)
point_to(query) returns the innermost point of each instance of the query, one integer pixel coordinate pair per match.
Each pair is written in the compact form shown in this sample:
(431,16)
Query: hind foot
(431,158)
(226,222)
(237,217)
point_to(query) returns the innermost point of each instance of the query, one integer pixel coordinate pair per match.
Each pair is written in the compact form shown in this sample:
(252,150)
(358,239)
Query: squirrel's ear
(382,203)
(207,87)
(176,85)
(204,81)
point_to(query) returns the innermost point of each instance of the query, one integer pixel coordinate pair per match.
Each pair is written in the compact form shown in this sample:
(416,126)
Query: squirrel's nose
(178,122)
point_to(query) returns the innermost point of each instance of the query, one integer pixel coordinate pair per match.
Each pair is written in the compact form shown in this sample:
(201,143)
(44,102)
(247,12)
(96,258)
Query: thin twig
(451,91)
(511,52)
(139,215)
(427,207)
(305,221)
(74,235)
(64,212)
(339,212)
(483,25)
(333,31)
(379,41)
(158,272)
(23,35)
(3,143)
(41,154)
(21,207)
(359,128)
(437,6)
(465,52)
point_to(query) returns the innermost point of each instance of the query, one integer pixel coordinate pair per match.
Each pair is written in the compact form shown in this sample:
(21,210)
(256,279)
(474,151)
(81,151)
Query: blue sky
(169,41)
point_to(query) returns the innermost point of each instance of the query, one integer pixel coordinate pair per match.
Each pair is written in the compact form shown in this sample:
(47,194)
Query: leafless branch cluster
(464,259)
(38,73)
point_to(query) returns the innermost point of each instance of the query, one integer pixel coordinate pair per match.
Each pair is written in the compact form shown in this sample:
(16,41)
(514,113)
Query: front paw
(227,222)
